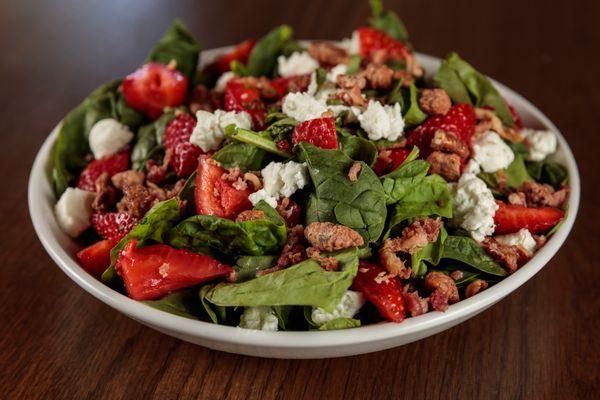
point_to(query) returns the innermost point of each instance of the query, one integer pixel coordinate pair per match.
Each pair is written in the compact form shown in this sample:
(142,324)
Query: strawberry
(239,97)
(153,87)
(177,138)
(297,83)
(510,218)
(110,164)
(373,40)
(384,291)
(96,258)
(516,116)
(319,132)
(389,159)
(240,53)
(113,225)
(460,120)
(153,271)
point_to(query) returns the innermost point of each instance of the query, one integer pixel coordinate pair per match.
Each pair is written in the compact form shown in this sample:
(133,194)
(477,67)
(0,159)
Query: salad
(294,186)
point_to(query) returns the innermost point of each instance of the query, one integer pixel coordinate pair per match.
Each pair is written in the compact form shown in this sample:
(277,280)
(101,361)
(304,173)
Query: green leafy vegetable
(359,149)
(149,140)
(432,253)
(255,139)
(340,323)
(188,195)
(403,180)
(387,21)
(407,97)
(263,58)
(353,64)
(513,176)
(243,155)
(246,267)
(238,68)
(466,250)
(217,314)
(183,303)
(548,172)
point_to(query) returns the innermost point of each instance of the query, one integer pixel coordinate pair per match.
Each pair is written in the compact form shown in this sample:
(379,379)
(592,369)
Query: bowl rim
(39,189)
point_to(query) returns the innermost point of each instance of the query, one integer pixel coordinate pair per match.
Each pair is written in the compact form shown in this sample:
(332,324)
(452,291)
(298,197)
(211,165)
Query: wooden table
(56,341)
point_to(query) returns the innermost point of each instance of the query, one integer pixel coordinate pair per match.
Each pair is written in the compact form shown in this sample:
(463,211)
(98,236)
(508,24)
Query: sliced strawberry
(110,164)
(297,83)
(216,196)
(153,271)
(153,87)
(240,53)
(460,120)
(177,138)
(373,40)
(389,159)
(113,225)
(319,132)
(510,218)
(96,258)
(239,97)
(384,291)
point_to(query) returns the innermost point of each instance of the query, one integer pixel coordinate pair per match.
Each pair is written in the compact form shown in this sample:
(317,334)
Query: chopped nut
(475,287)
(354,171)
(435,101)
(326,236)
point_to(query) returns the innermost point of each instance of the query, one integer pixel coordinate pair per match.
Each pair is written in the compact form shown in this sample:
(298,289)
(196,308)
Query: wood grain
(56,341)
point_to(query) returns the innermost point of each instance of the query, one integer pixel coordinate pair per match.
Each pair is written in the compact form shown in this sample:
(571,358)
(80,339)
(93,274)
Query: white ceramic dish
(296,344)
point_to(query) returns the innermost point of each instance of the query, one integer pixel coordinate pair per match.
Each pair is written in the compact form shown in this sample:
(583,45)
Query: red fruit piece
(298,83)
(153,87)
(96,258)
(239,97)
(153,271)
(516,116)
(110,164)
(510,218)
(389,159)
(384,291)
(240,53)
(113,225)
(460,120)
(373,40)
(177,138)
(319,132)
(290,211)
(216,196)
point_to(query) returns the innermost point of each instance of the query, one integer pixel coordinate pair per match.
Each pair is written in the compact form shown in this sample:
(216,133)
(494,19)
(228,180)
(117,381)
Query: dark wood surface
(56,341)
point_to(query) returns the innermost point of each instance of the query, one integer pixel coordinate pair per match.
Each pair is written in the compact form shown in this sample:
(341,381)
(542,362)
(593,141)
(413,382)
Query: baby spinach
(359,149)
(359,205)
(188,195)
(340,323)
(184,303)
(514,175)
(149,140)
(548,172)
(404,179)
(466,250)
(263,58)
(261,140)
(353,64)
(243,155)
(246,267)
(432,253)
(407,97)
(464,84)
(303,284)
(387,21)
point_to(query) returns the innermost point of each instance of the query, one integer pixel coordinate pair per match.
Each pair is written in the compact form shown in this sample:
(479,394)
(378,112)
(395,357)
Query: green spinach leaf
(403,180)
(432,253)
(359,149)
(387,21)
(548,172)
(514,175)
(243,155)
(183,303)
(263,58)
(466,250)
(340,323)
(149,140)
(246,267)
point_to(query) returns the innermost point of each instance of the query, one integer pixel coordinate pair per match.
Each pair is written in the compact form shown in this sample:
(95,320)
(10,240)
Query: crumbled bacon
(456,275)
(327,263)
(204,99)
(405,77)
(350,97)
(391,262)
(438,300)
(106,194)
(446,165)
(130,177)
(378,76)
(487,120)
(538,194)
(449,143)
(156,173)
(435,101)
(354,171)
(415,304)
(293,251)
(508,256)
(475,287)
(326,236)
(518,199)
(327,53)
(289,210)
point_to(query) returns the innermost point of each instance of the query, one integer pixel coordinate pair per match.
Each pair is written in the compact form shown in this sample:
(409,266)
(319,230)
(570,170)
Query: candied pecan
(351,81)
(156,173)
(446,165)
(438,300)
(475,287)
(327,53)
(253,179)
(456,275)
(541,194)
(378,76)
(249,215)
(508,256)
(354,171)
(405,77)
(106,194)
(350,97)
(413,66)
(326,236)
(293,251)
(327,263)
(436,280)
(448,143)
(518,199)
(415,304)
(391,262)
(137,200)
(435,101)
(126,178)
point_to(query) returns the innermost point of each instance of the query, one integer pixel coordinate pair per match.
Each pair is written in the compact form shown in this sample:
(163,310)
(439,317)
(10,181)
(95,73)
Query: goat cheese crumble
(382,122)
(523,238)
(303,106)
(491,153)
(540,143)
(299,63)
(259,318)
(473,206)
(209,132)
(280,180)
(74,210)
(336,71)
(222,81)
(348,306)
(108,136)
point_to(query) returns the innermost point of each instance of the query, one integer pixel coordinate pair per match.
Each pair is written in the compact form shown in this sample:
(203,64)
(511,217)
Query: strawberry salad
(291,186)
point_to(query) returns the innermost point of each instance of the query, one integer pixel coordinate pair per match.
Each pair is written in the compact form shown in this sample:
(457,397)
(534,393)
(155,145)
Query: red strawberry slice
(177,138)
(383,291)
(319,132)
(389,159)
(240,53)
(239,97)
(153,271)
(510,218)
(113,225)
(153,87)
(216,196)
(460,120)
(373,40)
(110,164)
(96,258)
(298,83)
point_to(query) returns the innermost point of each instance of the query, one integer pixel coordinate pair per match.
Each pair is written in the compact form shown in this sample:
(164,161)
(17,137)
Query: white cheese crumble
(352,45)
(491,153)
(522,238)
(259,318)
(540,143)
(209,132)
(336,71)
(473,206)
(74,210)
(108,136)
(222,81)
(280,180)
(382,122)
(348,306)
(299,63)
(303,106)
(472,167)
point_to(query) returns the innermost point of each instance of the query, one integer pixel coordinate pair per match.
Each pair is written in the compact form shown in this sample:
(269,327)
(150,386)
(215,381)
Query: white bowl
(314,344)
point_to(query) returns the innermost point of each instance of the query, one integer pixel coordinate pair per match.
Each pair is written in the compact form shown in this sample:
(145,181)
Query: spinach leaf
(238,68)
(359,205)
(340,323)
(514,175)
(466,250)
(548,172)
(263,58)
(353,64)
(359,149)
(178,44)
(188,195)
(151,229)
(403,179)
(387,21)
(243,155)
(261,140)
(465,84)
(468,277)
(183,303)
(432,253)
(149,140)
(246,267)
(257,237)
(303,284)
(407,97)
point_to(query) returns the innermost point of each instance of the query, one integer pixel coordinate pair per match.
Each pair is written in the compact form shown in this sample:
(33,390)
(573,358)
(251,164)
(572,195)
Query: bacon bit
(351,81)
(448,143)
(540,240)
(415,304)
(350,97)
(326,236)
(354,171)
(518,199)
(487,120)
(405,77)
(106,194)
(205,99)
(254,180)
(130,177)
(163,270)
(231,174)
(249,215)
(475,287)
(510,257)
(438,300)
(293,251)
(391,262)
(327,263)
(240,184)
(539,194)
(156,173)
(435,101)
(378,76)
(327,53)
(446,165)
